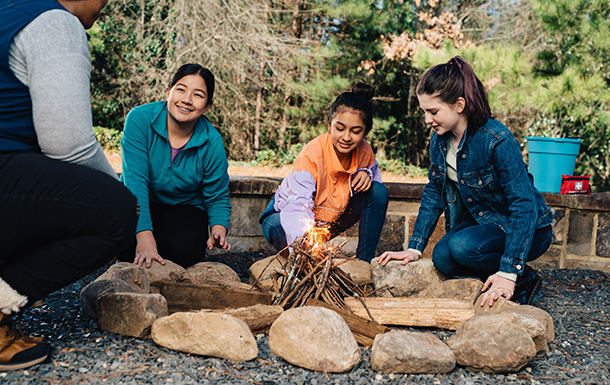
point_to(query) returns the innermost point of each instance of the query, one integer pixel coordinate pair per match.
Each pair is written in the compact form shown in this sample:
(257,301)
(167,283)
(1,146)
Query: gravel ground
(578,301)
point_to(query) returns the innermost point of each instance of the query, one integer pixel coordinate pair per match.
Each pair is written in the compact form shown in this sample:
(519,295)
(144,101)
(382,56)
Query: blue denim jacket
(493,185)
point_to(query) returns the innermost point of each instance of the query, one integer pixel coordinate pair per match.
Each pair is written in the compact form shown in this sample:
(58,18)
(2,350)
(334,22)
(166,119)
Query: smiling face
(187,100)
(443,117)
(346,131)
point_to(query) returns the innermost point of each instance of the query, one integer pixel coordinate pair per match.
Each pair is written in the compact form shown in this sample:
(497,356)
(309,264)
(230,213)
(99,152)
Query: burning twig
(311,273)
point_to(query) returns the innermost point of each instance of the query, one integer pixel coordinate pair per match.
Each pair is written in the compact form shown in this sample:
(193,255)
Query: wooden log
(407,311)
(258,317)
(364,330)
(187,296)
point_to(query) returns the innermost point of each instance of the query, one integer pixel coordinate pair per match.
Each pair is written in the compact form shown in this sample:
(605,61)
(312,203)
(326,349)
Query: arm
(364,177)
(51,56)
(515,182)
(294,201)
(136,177)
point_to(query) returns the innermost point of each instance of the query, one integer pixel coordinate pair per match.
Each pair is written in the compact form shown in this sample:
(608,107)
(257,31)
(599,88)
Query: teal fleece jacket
(197,177)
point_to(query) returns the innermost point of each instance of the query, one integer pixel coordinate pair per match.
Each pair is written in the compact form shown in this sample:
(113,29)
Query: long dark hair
(195,69)
(357,100)
(453,80)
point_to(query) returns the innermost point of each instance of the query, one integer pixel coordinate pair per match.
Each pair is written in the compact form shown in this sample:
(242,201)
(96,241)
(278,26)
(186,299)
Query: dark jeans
(368,207)
(471,249)
(181,233)
(59,222)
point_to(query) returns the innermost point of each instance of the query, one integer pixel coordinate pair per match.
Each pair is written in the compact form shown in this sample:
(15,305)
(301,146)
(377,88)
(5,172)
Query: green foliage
(109,138)
(271,158)
(398,167)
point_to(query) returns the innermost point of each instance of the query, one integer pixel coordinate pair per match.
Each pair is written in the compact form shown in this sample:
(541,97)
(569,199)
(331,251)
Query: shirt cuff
(511,276)
(416,251)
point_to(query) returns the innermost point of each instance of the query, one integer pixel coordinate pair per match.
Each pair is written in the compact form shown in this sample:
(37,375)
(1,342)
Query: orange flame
(316,238)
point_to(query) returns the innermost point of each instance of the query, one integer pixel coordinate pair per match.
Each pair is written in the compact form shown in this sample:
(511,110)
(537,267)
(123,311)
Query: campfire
(312,272)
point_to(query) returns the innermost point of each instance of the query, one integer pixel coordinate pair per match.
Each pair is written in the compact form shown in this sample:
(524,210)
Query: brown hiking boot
(18,351)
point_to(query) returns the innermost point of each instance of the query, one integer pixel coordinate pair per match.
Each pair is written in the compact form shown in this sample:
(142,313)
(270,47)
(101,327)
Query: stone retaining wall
(581,226)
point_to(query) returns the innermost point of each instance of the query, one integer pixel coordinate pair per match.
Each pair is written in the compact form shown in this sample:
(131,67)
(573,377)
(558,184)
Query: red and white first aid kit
(571,184)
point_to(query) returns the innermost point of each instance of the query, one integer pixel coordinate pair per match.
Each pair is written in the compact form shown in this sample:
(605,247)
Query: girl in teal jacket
(174,162)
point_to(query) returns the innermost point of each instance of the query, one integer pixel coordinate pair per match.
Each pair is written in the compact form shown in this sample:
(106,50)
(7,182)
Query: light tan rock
(135,276)
(492,342)
(170,272)
(262,270)
(537,322)
(359,271)
(498,305)
(314,338)
(405,280)
(94,290)
(206,334)
(401,351)
(130,314)
(463,288)
(210,272)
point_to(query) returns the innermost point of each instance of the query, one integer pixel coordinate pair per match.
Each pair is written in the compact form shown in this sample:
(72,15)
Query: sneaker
(527,286)
(18,351)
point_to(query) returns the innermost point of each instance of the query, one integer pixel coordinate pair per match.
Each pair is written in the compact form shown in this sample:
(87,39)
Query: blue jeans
(368,207)
(59,222)
(471,249)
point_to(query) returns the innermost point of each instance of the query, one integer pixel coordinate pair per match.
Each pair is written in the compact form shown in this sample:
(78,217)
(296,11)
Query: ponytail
(453,80)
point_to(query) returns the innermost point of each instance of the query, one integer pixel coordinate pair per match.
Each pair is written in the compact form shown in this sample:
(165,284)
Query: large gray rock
(359,271)
(130,273)
(130,314)
(538,324)
(94,290)
(401,351)
(206,334)
(405,280)
(464,288)
(314,338)
(262,270)
(209,273)
(492,342)
(170,272)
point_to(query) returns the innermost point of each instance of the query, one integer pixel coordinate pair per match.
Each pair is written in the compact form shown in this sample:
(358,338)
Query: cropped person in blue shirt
(495,219)
(174,162)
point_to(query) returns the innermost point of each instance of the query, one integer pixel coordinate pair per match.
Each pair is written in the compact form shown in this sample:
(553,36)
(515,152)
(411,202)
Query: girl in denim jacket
(495,219)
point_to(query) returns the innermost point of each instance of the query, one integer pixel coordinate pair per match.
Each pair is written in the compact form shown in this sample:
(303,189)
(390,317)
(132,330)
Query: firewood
(258,317)
(364,330)
(187,296)
(407,311)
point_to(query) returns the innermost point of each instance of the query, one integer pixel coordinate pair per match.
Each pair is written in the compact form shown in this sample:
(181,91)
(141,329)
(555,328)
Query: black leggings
(58,222)
(181,233)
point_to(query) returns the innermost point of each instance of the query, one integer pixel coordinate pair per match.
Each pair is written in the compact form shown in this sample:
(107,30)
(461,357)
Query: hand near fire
(146,249)
(218,238)
(361,181)
(406,257)
(500,287)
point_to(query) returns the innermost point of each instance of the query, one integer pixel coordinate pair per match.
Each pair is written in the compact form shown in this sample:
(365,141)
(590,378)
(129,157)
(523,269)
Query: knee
(273,231)
(379,195)
(441,258)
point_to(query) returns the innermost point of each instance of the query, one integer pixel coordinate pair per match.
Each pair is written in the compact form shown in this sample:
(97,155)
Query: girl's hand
(146,249)
(218,238)
(361,181)
(406,257)
(500,287)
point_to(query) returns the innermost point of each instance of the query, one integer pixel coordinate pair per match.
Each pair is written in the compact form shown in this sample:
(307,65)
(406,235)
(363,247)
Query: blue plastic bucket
(549,158)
